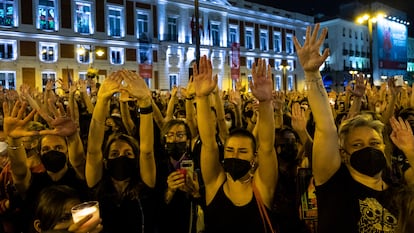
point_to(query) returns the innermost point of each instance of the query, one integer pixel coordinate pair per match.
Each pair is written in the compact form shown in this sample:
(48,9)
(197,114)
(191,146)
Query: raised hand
(278,100)
(110,85)
(135,85)
(204,82)
(60,121)
(359,87)
(299,119)
(402,134)
(15,120)
(261,85)
(309,53)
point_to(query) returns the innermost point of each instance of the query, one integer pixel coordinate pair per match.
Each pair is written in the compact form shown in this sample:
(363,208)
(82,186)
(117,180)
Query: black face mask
(53,161)
(368,161)
(121,168)
(248,113)
(176,149)
(288,152)
(237,168)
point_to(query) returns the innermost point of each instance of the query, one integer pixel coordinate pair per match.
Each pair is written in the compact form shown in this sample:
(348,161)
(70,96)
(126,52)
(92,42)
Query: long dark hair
(51,203)
(135,183)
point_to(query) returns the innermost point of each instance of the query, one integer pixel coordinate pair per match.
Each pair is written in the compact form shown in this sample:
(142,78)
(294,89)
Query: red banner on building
(145,70)
(235,61)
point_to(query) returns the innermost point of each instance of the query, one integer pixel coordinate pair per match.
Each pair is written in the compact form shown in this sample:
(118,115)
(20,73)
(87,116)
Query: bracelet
(146,110)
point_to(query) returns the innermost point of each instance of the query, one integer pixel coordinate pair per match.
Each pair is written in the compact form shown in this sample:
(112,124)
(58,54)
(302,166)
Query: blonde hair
(362,120)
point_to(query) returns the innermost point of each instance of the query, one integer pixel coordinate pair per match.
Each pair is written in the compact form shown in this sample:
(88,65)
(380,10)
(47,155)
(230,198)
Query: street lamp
(284,69)
(370,19)
(353,73)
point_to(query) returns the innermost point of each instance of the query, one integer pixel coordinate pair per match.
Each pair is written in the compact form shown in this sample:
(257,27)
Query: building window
(84,53)
(350,33)
(250,61)
(263,40)
(290,63)
(83,18)
(290,83)
(142,26)
(8,50)
(278,83)
(8,79)
(48,52)
(277,42)
(117,56)
(173,80)
(233,34)
(249,38)
(172,29)
(289,43)
(343,32)
(46,77)
(82,75)
(115,22)
(47,15)
(215,34)
(8,13)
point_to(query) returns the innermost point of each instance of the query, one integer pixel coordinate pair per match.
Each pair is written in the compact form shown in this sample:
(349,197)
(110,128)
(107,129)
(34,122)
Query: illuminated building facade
(377,49)
(51,39)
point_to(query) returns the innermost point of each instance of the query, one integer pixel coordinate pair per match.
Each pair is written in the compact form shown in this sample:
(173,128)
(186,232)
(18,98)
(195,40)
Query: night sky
(331,7)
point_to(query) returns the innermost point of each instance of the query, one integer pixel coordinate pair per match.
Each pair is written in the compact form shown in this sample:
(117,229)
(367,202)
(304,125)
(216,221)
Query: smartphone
(188,166)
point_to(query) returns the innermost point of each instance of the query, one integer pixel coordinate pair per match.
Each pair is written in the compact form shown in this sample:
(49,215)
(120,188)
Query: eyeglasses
(172,135)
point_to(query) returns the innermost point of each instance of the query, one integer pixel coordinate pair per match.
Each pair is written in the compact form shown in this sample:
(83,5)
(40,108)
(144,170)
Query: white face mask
(229,124)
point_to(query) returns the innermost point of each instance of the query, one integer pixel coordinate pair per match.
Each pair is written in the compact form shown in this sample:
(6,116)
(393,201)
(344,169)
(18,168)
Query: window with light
(48,76)
(215,34)
(263,40)
(8,79)
(233,32)
(172,29)
(289,43)
(8,13)
(115,22)
(8,50)
(83,18)
(84,53)
(173,80)
(249,38)
(117,56)
(142,26)
(250,61)
(47,15)
(277,42)
(48,52)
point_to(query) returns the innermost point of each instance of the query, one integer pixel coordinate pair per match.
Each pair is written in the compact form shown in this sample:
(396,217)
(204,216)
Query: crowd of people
(200,159)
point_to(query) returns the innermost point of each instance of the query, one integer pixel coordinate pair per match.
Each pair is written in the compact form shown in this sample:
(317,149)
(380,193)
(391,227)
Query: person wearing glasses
(178,180)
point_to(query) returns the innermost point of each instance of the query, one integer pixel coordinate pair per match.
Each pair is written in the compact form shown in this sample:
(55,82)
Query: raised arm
(94,158)
(402,136)
(265,177)
(326,157)
(211,169)
(137,88)
(13,125)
